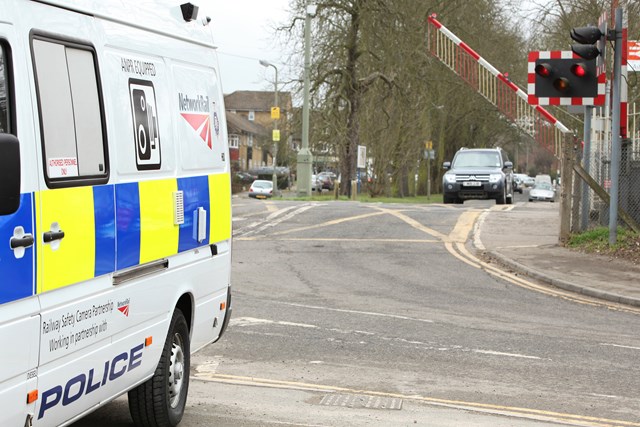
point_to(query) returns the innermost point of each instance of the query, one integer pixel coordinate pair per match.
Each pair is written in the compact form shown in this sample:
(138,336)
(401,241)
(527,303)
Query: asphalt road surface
(349,314)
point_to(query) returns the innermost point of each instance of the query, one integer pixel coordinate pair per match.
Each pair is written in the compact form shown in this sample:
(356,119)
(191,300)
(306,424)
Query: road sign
(275,113)
(362,156)
(276,135)
(428,145)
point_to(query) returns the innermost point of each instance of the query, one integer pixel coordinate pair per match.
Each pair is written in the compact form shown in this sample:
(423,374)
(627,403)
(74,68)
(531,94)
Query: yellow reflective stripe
(159,236)
(220,198)
(74,260)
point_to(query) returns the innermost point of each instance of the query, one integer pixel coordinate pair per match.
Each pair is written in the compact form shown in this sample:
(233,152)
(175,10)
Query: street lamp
(304,155)
(275,126)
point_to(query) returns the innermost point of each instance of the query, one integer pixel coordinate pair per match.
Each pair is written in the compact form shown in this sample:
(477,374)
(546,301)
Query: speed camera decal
(145,124)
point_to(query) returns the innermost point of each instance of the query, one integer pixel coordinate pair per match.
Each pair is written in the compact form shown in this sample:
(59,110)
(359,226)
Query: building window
(252,115)
(250,141)
(234,141)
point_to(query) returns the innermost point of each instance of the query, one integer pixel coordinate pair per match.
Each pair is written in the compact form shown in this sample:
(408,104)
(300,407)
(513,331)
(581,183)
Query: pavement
(525,239)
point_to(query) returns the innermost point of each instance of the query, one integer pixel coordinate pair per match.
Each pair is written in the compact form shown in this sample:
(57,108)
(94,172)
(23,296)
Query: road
(378,314)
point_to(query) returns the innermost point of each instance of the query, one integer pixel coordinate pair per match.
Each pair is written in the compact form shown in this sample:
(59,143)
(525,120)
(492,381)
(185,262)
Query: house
(246,139)
(250,125)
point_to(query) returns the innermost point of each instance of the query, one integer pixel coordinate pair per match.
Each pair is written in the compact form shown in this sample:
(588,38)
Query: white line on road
(245,321)
(620,346)
(366,313)
(499,353)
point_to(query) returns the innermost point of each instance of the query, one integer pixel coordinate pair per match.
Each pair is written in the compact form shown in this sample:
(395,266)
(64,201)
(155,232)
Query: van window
(5,90)
(71,115)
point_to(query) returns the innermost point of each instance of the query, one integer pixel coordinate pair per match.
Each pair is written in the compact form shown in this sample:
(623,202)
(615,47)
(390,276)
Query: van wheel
(160,401)
(500,200)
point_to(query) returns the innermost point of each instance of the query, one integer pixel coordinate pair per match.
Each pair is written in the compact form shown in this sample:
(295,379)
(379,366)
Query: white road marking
(608,396)
(246,321)
(272,219)
(620,346)
(366,313)
(499,353)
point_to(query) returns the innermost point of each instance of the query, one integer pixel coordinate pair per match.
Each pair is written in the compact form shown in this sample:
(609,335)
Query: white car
(316,184)
(261,189)
(543,192)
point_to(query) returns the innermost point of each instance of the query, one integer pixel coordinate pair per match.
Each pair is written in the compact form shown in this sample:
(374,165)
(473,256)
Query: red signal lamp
(543,70)
(579,70)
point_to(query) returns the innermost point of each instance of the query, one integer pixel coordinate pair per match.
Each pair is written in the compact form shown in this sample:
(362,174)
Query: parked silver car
(261,189)
(542,191)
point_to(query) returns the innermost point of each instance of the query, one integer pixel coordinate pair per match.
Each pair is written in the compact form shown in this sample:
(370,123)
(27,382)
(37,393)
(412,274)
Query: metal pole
(565,189)
(586,162)
(274,177)
(615,135)
(304,155)
(428,175)
(275,143)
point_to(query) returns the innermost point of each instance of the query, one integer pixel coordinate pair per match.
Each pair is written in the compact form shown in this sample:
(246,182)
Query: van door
(75,211)
(19,319)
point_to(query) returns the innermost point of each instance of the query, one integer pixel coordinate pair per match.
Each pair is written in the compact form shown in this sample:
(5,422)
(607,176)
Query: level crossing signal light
(587,37)
(565,78)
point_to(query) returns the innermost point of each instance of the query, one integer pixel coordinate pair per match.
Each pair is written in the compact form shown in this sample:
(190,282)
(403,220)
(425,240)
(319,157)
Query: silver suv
(478,173)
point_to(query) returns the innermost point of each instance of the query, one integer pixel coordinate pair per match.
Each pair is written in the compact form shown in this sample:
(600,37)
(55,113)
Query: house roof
(251,100)
(237,123)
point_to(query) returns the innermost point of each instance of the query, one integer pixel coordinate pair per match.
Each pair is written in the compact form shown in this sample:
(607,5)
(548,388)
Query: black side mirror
(9,174)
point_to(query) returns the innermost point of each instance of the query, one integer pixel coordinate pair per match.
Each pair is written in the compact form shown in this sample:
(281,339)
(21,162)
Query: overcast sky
(243,32)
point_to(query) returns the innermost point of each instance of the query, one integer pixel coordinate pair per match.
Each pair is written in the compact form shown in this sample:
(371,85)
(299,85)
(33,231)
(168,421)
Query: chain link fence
(590,210)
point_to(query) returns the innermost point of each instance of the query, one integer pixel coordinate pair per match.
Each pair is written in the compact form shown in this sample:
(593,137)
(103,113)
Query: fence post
(565,188)
(576,203)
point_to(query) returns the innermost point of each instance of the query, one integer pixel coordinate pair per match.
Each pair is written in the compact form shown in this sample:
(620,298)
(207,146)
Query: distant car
(326,181)
(529,181)
(518,183)
(316,184)
(543,178)
(245,177)
(261,189)
(542,192)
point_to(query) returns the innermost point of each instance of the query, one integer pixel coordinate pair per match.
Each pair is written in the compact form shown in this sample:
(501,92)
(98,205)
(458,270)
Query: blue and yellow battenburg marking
(108,228)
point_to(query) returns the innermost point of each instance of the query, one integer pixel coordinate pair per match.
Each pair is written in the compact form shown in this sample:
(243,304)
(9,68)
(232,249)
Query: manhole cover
(361,401)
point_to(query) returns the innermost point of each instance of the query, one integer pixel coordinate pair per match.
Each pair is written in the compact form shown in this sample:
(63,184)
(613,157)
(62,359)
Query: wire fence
(590,210)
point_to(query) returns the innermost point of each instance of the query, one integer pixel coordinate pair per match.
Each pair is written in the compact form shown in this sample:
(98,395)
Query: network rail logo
(197,112)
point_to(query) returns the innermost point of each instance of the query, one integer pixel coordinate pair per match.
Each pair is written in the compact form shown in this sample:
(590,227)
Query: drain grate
(361,401)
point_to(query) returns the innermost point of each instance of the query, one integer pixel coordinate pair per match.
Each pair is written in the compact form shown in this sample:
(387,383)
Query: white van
(115,207)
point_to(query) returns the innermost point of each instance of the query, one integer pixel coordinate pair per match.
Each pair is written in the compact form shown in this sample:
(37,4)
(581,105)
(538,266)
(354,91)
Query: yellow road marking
(328,223)
(271,207)
(412,222)
(327,239)
(510,410)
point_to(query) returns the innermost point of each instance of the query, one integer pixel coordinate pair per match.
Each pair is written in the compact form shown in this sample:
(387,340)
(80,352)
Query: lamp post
(275,125)
(304,155)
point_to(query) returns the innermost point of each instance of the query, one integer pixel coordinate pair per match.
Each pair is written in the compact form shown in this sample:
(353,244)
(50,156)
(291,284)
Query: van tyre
(160,401)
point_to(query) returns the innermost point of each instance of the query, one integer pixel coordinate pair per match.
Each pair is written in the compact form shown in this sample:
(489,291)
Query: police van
(115,207)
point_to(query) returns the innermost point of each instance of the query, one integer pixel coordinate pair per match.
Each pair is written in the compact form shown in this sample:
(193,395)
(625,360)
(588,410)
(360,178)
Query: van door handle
(25,241)
(50,236)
